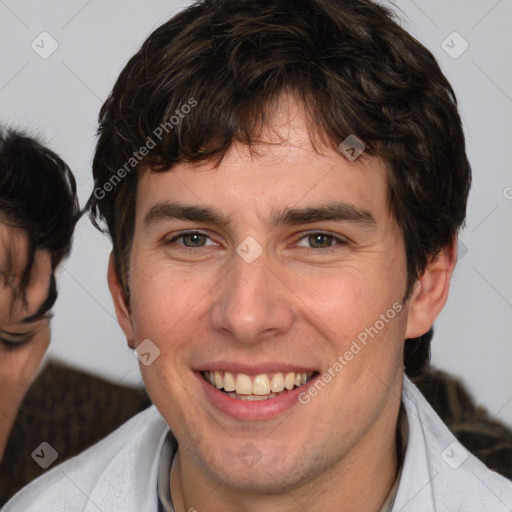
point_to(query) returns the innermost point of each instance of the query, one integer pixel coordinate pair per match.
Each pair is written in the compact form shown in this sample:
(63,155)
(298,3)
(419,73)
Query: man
(38,211)
(283,183)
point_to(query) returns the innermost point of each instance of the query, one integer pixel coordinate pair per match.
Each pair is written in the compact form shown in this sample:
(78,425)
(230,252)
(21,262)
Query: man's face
(210,301)
(24,326)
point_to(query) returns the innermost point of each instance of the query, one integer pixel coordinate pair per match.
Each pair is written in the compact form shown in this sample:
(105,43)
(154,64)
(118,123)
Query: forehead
(13,256)
(13,252)
(282,170)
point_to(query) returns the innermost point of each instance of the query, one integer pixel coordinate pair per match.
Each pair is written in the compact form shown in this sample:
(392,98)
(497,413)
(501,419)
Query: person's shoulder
(70,410)
(108,475)
(480,432)
(439,471)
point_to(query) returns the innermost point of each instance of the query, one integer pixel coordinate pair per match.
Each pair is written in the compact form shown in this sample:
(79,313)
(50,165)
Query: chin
(266,471)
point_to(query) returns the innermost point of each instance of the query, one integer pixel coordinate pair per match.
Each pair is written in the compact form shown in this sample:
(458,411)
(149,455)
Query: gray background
(59,98)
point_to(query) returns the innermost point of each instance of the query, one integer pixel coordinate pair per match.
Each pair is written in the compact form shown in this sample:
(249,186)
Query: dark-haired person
(281,250)
(38,211)
(68,409)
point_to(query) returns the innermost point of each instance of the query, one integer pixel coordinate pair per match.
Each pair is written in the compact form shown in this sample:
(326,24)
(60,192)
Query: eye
(12,341)
(320,240)
(192,239)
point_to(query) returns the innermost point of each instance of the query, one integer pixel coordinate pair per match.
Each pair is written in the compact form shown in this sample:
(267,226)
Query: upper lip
(254,369)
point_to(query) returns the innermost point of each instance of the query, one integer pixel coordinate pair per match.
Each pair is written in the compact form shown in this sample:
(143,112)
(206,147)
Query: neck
(360,482)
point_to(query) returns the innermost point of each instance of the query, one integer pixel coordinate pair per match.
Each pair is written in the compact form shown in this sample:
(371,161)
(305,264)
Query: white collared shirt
(120,473)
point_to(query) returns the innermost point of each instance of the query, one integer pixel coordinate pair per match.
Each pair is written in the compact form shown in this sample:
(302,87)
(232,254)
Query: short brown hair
(355,70)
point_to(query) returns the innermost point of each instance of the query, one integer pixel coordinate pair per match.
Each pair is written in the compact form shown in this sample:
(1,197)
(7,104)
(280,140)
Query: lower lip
(254,409)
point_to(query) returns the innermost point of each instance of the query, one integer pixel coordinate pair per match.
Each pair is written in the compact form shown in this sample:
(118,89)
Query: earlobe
(119,299)
(431,292)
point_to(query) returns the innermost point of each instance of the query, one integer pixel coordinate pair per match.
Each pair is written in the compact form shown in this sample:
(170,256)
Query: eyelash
(340,241)
(9,345)
(183,234)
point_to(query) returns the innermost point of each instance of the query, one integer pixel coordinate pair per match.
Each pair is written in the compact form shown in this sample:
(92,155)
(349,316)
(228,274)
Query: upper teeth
(259,385)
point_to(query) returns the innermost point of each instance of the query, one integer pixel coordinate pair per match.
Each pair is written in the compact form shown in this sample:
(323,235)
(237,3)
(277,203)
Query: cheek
(360,316)
(163,303)
(39,347)
(18,367)
(346,302)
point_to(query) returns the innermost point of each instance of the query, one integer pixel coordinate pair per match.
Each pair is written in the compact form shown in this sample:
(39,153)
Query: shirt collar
(402,441)
(164,470)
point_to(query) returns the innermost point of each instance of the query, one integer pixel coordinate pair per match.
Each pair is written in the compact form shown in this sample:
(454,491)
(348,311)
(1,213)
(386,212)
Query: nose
(252,303)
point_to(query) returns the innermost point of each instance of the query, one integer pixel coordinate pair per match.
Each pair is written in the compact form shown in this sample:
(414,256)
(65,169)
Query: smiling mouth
(259,387)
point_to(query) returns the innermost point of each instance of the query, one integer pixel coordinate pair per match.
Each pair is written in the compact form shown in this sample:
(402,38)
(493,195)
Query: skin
(22,344)
(296,303)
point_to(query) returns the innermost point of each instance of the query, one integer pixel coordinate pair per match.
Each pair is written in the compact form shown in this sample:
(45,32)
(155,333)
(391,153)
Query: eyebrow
(333,211)
(46,305)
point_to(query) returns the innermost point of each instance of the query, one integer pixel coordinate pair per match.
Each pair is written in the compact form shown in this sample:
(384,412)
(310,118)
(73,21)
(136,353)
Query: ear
(431,292)
(120,304)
